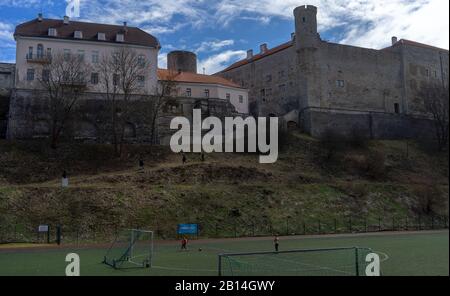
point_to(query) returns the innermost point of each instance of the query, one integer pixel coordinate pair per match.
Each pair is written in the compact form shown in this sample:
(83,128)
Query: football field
(401,254)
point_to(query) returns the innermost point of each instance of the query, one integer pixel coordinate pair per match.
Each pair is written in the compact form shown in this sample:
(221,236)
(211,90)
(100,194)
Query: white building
(206,86)
(39,39)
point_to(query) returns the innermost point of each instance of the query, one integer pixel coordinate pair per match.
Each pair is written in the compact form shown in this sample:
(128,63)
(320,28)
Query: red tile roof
(164,74)
(259,56)
(417,44)
(133,35)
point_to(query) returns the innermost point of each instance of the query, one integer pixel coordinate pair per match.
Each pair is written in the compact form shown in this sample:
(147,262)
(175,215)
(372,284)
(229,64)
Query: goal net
(316,262)
(131,249)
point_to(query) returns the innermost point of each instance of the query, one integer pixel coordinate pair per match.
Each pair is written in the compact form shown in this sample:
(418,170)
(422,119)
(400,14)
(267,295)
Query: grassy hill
(310,188)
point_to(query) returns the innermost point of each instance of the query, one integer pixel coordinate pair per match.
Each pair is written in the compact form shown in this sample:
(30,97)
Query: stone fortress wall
(341,87)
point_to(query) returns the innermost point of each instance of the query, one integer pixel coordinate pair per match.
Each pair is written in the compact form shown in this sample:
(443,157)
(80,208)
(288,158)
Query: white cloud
(368,23)
(218,62)
(215,45)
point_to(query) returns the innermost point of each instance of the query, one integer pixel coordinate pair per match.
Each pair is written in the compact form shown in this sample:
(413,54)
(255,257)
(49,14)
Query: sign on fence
(187,229)
(43,228)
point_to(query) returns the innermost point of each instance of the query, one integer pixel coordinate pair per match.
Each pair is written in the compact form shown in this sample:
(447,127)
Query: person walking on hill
(276,243)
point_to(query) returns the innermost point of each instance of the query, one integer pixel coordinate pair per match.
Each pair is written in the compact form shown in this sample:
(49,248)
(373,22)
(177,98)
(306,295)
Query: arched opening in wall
(41,129)
(292,125)
(85,130)
(129,131)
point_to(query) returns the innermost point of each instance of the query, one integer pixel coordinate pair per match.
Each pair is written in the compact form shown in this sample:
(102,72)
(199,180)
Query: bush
(331,142)
(358,138)
(375,164)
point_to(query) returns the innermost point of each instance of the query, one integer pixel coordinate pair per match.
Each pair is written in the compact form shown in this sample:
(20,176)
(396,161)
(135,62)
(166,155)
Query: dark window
(94,78)
(188,92)
(241,99)
(141,81)
(228,97)
(40,51)
(206,93)
(115,79)
(30,74)
(340,83)
(397,108)
(45,75)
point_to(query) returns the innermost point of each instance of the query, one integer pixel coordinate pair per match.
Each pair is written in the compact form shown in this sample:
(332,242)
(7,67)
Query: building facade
(321,85)
(41,41)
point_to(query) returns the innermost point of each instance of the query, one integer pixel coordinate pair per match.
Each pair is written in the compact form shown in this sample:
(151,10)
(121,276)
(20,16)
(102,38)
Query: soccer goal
(131,249)
(314,262)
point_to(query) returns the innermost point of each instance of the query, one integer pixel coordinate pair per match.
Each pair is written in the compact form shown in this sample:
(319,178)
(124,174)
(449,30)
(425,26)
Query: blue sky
(221,31)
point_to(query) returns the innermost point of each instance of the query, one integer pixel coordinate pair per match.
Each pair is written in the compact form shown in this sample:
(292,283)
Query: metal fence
(228,228)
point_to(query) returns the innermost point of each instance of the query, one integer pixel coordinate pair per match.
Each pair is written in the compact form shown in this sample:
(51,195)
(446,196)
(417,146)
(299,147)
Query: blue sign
(187,228)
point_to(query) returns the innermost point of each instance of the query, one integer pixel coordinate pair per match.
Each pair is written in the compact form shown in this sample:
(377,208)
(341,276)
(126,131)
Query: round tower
(182,61)
(306,35)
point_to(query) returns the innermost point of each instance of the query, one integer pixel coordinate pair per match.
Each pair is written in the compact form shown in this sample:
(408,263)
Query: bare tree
(122,76)
(63,81)
(163,95)
(435,100)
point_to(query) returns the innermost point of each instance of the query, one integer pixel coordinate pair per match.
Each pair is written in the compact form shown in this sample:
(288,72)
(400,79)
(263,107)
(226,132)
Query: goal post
(132,248)
(309,262)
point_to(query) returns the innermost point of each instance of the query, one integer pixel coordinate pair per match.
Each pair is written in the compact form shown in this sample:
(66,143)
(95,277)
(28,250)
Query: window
(80,77)
(95,57)
(49,52)
(30,74)
(141,61)
(427,72)
(81,55)
(66,54)
(282,88)
(94,78)
(269,92)
(45,75)
(188,92)
(281,74)
(228,96)
(396,108)
(206,93)
(52,32)
(340,83)
(304,19)
(30,52)
(101,36)
(78,35)
(141,81)
(120,38)
(115,79)
(268,78)
(40,51)
(241,99)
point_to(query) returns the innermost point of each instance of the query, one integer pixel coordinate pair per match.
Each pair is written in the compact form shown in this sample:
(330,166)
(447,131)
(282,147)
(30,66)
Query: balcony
(39,58)
(75,83)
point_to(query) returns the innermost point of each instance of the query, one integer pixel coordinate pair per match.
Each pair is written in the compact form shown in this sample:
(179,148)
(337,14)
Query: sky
(221,31)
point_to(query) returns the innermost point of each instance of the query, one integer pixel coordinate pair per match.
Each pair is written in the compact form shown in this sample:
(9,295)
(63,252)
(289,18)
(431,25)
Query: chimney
(40,18)
(125,28)
(249,54)
(292,36)
(394,40)
(66,20)
(263,48)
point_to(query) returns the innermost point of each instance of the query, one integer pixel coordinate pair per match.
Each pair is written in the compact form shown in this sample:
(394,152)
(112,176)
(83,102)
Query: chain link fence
(227,228)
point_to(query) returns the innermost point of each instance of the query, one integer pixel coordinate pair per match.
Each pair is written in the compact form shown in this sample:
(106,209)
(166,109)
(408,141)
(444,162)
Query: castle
(319,85)
(307,82)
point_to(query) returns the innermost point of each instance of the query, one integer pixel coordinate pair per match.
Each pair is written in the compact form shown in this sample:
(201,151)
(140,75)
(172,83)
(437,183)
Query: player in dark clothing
(184,242)
(184,159)
(276,243)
